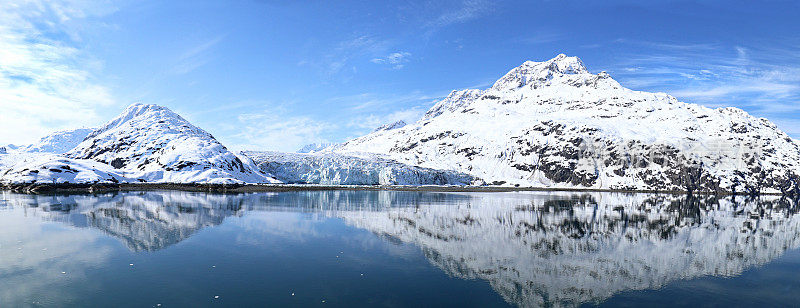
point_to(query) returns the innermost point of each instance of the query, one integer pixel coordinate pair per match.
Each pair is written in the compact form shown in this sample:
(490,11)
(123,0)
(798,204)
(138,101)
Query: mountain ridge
(550,124)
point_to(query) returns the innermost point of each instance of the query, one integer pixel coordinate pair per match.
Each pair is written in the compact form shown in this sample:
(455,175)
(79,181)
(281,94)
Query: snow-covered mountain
(555,124)
(58,142)
(314,147)
(335,169)
(146,143)
(155,144)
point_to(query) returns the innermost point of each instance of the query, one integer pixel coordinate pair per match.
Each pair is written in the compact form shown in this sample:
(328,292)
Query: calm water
(179,249)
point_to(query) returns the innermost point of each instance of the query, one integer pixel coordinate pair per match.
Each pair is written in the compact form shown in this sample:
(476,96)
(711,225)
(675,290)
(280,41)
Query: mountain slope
(58,142)
(554,124)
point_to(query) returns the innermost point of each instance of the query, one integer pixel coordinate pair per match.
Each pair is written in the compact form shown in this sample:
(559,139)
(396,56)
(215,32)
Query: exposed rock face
(554,124)
(335,169)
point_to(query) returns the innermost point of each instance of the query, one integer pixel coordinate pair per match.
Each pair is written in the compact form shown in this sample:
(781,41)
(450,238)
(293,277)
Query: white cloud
(45,83)
(371,102)
(341,57)
(273,130)
(396,59)
(194,57)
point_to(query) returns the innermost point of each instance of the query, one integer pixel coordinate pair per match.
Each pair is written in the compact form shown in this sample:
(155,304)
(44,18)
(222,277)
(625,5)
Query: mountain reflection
(535,249)
(572,249)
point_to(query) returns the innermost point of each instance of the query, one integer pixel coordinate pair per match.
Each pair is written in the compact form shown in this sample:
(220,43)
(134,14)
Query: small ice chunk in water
(292,293)
(216,296)
(63,272)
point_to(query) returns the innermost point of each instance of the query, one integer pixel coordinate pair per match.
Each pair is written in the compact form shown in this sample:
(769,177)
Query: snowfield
(58,142)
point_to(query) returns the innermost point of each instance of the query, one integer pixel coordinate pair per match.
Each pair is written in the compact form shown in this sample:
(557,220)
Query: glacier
(337,169)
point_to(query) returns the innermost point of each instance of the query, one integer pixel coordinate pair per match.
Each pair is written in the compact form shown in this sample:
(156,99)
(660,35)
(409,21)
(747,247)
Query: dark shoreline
(249,188)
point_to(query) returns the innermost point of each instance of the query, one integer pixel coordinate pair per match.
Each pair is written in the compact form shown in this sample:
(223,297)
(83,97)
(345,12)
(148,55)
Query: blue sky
(274,75)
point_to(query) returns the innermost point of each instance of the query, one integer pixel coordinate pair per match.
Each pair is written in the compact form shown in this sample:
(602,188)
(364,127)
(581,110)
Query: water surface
(384,248)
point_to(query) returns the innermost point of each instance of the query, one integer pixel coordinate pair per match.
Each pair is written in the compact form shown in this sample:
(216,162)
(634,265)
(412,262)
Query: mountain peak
(531,71)
(139,111)
(567,65)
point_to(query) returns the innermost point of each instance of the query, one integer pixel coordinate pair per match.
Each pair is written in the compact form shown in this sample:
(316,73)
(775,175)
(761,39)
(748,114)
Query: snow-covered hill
(336,169)
(59,142)
(146,143)
(155,144)
(554,124)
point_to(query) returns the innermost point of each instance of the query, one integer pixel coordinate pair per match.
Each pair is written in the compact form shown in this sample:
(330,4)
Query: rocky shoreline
(69,188)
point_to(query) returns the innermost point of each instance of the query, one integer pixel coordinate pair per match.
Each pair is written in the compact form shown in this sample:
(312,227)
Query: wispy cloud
(274,129)
(343,56)
(541,37)
(765,82)
(46,80)
(195,56)
(396,60)
(465,11)
(372,121)
(371,102)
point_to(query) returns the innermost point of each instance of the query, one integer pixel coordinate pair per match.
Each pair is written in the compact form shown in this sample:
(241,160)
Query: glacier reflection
(535,249)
